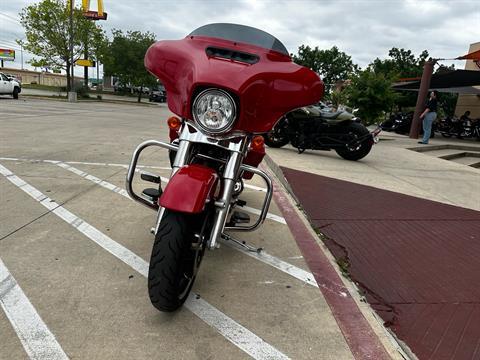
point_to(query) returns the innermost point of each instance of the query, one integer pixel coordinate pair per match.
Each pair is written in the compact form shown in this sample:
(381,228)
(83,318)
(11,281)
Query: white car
(9,86)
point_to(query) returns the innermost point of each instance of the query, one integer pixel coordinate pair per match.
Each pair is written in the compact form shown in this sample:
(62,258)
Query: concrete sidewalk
(413,259)
(391,165)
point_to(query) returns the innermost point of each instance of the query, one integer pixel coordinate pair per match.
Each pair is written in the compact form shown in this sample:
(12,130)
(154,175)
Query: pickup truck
(9,86)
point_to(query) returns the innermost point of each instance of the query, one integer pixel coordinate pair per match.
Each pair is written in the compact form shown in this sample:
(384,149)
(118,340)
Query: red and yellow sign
(7,54)
(94,15)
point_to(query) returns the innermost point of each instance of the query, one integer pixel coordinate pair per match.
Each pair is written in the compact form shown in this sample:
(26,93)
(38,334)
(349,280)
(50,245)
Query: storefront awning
(472,56)
(458,81)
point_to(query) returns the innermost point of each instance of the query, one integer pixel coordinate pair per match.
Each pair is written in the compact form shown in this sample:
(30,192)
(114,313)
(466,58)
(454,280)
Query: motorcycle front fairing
(265,83)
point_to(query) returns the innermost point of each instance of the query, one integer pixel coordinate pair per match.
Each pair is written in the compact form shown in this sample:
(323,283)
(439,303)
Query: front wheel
(356,150)
(176,256)
(278,136)
(15,93)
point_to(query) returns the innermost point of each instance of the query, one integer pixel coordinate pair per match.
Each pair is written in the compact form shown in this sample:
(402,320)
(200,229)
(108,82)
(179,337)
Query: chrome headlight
(214,111)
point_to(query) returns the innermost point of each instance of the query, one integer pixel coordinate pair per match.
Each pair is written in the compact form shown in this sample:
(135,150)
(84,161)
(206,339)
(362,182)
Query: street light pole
(72,95)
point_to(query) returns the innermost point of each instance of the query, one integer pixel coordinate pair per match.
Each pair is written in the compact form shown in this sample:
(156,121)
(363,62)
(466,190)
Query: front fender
(188,190)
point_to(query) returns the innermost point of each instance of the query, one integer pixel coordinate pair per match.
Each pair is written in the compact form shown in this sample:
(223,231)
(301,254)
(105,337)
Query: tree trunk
(140,94)
(85,68)
(68,77)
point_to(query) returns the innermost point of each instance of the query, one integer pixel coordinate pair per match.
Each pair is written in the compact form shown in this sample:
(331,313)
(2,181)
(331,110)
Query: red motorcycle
(228,84)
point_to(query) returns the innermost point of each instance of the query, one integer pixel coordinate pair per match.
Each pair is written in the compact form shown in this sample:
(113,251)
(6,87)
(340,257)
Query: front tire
(15,93)
(278,136)
(362,149)
(173,262)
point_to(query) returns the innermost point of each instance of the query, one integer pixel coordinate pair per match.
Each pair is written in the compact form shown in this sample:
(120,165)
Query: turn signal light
(174,123)
(257,142)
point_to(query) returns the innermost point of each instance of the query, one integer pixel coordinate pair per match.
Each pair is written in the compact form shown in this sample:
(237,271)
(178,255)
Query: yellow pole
(100,7)
(85,5)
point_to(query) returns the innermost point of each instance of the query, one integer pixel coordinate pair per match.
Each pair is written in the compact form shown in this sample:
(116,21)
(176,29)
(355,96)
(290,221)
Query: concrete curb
(362,328)
(445,147)
(121,102)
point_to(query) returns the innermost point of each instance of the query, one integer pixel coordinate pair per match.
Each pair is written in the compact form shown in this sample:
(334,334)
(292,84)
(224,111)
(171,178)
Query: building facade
(470,102)
(36,77)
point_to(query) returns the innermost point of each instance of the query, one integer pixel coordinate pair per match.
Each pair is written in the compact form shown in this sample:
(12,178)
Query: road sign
(7,54)
(85,62)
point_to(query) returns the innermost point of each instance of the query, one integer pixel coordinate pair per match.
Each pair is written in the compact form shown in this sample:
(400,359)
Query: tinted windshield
(241,33)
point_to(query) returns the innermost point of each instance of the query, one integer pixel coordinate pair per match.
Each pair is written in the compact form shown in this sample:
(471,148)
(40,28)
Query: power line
(10,17)
(9,41)
(16,48)
(11,47)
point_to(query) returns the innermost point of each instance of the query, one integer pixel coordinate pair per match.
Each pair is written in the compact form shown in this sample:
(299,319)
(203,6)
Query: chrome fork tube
(182,155)
(181,159)
(222,205)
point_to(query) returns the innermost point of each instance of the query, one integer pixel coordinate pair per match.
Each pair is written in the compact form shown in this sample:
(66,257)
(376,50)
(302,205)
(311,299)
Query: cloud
(363,29)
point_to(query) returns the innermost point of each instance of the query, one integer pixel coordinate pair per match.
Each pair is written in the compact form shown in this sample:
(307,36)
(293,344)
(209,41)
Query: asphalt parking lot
(74,253)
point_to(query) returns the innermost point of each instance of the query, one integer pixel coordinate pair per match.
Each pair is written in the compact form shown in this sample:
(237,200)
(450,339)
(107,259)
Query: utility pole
(422,97)
(72,95)
(98,77)
(21,54)
(85,68)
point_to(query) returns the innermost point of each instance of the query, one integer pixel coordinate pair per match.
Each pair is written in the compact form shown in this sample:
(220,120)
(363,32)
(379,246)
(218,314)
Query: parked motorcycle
(400,122)
(453,126)
(311,128)
(471,129)
(227,84)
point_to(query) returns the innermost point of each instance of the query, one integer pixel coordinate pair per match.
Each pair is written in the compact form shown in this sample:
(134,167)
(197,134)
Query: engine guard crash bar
(133,166)
(266,201)
(152,205)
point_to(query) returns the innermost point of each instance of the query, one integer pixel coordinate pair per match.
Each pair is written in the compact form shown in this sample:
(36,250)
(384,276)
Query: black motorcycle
(452,126)
(311,128)
(400,123)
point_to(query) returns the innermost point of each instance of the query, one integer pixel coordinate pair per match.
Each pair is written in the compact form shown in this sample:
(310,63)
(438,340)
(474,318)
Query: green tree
(47,34)
(98,48)
(401,63)
(337,97)
(332,64)
(371,93)
(125,58)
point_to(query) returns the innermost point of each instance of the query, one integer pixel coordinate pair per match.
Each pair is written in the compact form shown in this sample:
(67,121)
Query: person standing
(429,115)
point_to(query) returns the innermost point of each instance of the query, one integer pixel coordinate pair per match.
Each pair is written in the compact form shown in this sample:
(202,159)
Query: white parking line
(123,192)
(266,258)
(253,187)
(270,216)
(86,163)
(96,180)
(226,326)
(36,338)
(277,263)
